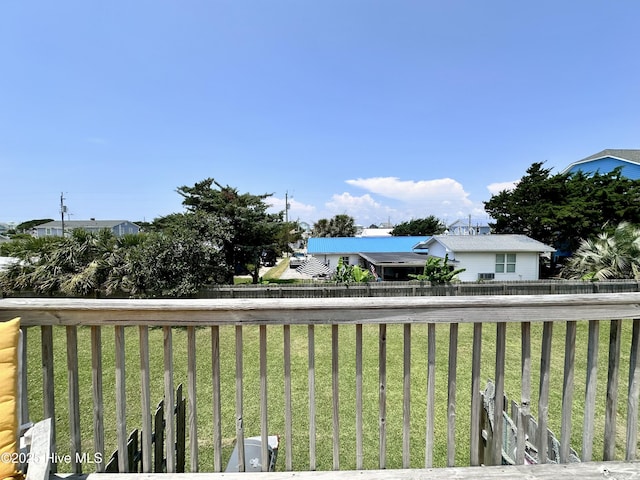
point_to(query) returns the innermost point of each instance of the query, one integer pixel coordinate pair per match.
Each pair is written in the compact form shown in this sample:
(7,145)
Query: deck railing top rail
(194,312)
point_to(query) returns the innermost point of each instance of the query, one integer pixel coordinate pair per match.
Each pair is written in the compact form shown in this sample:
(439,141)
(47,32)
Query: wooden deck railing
(416,315)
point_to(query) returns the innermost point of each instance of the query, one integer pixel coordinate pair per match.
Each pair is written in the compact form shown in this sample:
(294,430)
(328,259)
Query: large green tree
(561,210)
(181,260)
(338,226)
(419,227)
(252,230)
(25,227)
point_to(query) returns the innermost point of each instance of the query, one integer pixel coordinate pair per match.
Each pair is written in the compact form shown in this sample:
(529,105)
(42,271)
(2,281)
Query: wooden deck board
(584,471)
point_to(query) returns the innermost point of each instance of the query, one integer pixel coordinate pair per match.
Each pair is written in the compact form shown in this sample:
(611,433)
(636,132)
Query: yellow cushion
(9,448)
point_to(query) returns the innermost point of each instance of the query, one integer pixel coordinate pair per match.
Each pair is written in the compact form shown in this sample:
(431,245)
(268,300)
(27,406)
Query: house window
(505,263)
(345,260)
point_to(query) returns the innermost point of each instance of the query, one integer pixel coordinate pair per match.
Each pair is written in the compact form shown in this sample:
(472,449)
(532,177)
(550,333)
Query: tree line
(221,232)
(591,220)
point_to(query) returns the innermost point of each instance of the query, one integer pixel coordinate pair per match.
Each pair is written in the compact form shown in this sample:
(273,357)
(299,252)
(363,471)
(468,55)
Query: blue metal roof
(328,245)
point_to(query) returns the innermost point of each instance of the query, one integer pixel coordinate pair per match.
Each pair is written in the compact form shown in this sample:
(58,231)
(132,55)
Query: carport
(395,265)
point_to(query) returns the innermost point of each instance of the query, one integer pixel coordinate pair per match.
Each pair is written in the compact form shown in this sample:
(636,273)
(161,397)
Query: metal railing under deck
(620,312)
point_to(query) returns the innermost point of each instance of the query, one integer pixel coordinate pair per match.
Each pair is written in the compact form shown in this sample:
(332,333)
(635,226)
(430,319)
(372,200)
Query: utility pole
(286,217)
(286,206)
(63,210)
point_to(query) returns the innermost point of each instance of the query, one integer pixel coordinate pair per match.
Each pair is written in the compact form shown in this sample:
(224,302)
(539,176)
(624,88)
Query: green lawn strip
(300,402)
(275,272)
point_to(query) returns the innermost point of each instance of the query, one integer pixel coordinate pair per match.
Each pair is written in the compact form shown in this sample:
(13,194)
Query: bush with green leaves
(351,273)
(437,271)
(175,263)
(610,255)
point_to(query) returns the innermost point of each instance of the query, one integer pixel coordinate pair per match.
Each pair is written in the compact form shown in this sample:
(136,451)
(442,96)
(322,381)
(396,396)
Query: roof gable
(489,243)
(606,160)
(629,155)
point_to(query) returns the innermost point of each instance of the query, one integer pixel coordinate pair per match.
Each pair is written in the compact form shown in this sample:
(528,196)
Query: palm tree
(613,255)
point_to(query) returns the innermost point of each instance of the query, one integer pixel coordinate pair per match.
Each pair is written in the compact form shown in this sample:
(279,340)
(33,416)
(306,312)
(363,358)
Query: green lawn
(323,387)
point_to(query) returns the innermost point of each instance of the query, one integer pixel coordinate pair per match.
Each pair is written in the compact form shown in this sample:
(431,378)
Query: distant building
(4,227)
(375,232)
(117,227)
(490,257)
(468,227)
(606,161)
(388,257)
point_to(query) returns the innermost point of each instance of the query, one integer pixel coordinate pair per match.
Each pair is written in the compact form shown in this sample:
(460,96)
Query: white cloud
(392,199)
(347,202)
(444,198)
(297,210)
(438,191)
(496,188)
(364,208)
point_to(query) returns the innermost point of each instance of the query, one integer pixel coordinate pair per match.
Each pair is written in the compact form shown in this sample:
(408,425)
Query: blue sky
(384,110)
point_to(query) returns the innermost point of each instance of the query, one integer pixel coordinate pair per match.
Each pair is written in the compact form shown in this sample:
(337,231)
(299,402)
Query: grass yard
(323,387)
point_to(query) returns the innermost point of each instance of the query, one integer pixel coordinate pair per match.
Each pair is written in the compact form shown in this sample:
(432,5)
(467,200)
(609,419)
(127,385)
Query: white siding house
(490,257)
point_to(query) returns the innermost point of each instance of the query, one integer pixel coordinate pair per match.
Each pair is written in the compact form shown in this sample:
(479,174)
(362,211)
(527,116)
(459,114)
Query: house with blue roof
(391,258)
(608,160)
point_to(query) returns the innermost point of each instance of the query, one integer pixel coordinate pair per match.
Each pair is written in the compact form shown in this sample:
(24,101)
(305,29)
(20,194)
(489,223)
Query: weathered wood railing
(620,311)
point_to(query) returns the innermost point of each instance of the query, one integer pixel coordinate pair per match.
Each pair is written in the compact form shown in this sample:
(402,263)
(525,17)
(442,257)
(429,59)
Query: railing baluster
(451,395)
(634,390)
(145,399)
(335,387)
(525,391)
(48,384)
(543,399)
(476,399)
(406,396)
(74,398)
(312,397)
(498,424)
(359,418)
(169,401)
(24,400)
(192,398)
(217,406)
(97,395)
(288,416)
(612,390)
(590,390)
(121,401)
(264,400)
(239,414)
(382,394)
(567,391)
(431,393)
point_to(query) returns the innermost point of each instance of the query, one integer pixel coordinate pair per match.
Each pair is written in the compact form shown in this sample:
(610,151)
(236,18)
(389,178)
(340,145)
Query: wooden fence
(488,316)
(418,289)
(326,289)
